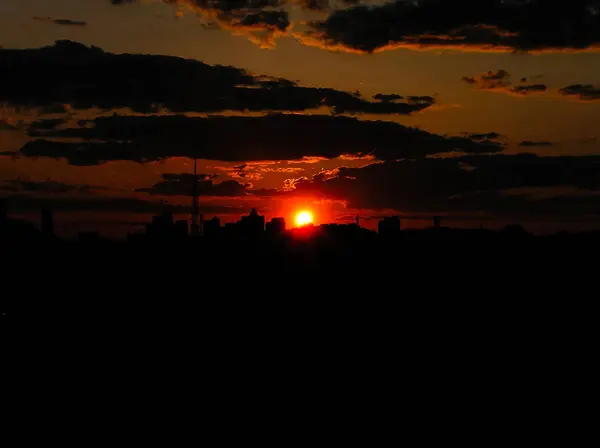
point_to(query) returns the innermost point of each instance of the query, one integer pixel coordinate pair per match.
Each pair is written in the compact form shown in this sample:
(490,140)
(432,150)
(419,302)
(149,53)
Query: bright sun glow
(304,218)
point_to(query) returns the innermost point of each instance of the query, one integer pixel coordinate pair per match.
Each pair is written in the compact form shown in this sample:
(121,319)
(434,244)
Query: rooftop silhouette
(164,229)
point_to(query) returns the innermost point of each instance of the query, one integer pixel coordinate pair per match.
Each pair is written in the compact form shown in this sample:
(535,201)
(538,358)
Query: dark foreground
(510,320)
(440,273)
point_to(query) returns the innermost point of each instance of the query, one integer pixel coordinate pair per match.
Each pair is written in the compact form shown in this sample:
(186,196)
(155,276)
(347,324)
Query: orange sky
(157,28)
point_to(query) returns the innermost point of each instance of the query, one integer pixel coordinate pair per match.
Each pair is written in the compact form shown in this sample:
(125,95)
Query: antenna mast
(195,203)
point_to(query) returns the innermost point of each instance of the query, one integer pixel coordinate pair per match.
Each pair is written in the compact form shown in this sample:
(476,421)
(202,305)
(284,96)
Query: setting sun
(304,218)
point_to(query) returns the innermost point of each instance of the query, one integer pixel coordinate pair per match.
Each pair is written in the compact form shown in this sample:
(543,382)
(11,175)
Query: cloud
(484,136)
(461,184)
(388,98)
(499,81)
(528,143)
(490,185)
(52,109)
(260,20)
(183,185)
(65,22)
(489,80)
(324,175)
(44,125)
(314,5)
(470,25)
(530,88)
(583,92)
(104,204)
(244,139)
(87,77)
(281,170)
(244,171)
(47,186)
(296,183)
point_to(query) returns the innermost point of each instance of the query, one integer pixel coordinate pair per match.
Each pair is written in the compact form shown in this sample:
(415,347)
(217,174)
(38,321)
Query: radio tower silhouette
(195,230)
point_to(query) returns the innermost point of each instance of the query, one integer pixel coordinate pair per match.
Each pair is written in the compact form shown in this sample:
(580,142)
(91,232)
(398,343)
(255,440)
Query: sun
(304,218)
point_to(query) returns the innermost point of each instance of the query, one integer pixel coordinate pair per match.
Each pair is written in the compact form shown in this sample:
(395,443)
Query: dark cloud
(314,5)
(270,20)
(44,125)
(489,80)
(104,204)
(183,185)
(52,109)
(528,143)
(485,25)
(530,88)
(583,92)
(47,186)
(273,137)
(87,77)
(425,100)
(388,98)
(500,81)
(243,171)
(261,19)
(256,170)
(453,184)
(66,22)
(484,136)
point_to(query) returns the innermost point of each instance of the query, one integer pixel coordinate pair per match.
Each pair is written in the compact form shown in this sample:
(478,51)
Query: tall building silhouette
(252,225)
(212,228)
(47,222)
(437,222)
(276,227)
(162,226)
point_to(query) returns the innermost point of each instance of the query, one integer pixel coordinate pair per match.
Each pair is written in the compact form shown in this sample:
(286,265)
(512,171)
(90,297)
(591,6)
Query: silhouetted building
(252,225)
(162,226)
(181,229)
(276,227)
(389,226)
(437,222)
(212,228)
(47,222)
(3,211)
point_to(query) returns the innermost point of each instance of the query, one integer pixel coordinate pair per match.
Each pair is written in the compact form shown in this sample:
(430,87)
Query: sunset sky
(481,111)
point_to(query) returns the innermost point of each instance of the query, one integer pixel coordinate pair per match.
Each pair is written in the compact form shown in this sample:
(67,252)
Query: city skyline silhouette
(311,192)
